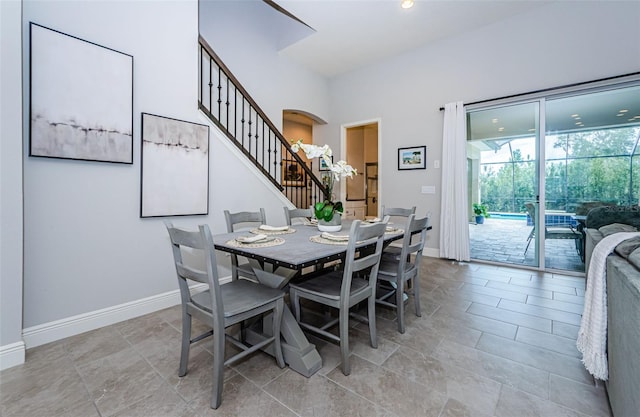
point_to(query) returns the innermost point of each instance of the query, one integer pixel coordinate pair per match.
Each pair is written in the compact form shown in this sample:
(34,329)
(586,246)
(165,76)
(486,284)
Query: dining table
(289,253)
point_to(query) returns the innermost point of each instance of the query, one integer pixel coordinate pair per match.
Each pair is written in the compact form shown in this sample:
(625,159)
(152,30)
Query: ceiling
(344,35)
(332,37)
(585,112)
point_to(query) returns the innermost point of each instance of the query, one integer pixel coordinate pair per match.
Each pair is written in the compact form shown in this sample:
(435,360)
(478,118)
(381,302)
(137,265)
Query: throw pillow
(612,228)
(625,248)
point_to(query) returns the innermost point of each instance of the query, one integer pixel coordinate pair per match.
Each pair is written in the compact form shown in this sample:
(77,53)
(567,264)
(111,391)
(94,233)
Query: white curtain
(454,216)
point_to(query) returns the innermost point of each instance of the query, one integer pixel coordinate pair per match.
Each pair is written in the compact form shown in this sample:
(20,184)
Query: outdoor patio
(505,240)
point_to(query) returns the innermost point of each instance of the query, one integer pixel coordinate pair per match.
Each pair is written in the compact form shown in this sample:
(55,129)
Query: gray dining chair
(297,213)
(290,216)
(219,306)
(392,215)
(346,288)
(404,269)
(241,266)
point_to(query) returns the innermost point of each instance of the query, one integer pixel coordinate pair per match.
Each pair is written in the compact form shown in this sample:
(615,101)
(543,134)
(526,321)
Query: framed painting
(323,164)
(292,173)
(412,158)
(81,99)
(174,167)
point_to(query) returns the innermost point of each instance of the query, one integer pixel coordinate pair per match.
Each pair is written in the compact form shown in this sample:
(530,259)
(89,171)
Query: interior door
(371,174)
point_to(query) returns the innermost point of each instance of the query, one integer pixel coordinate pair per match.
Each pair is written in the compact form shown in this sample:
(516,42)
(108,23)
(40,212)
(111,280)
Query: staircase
(223,99)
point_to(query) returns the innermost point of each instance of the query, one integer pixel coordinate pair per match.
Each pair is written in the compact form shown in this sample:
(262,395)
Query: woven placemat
(275,242)
(320,239)
(272,232)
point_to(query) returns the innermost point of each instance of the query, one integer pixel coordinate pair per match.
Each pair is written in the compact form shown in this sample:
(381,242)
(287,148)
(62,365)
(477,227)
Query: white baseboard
(431,252)
(71,326)
(12,355)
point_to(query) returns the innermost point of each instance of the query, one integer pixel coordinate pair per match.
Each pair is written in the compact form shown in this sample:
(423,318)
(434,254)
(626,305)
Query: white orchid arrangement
(325,210)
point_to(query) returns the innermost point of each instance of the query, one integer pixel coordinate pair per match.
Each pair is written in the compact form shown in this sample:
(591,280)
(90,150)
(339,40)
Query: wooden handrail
(238,105)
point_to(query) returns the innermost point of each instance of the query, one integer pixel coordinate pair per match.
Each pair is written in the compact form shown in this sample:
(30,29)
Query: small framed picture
(292,173)
(323,164)
(412,158)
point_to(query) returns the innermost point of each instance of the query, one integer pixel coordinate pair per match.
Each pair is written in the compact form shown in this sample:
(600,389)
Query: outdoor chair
(555,231)
(346,288)
(220,306)
(236,221)
(404,269)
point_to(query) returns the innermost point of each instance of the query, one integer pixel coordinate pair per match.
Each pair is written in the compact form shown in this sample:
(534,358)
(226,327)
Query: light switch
(436,164)
(428,189)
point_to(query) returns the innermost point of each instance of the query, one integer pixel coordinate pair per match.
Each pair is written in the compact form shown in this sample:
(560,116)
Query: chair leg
(277,341)
(344,340)
(371,307)
(416,294)
(400,304)
(186,343)
(218,367)
(295,303)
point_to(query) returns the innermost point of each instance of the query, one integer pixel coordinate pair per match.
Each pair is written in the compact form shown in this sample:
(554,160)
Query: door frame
(343,151)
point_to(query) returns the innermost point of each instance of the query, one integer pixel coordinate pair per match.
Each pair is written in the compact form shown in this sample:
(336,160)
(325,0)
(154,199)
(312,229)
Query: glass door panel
(502,172)
(591,158)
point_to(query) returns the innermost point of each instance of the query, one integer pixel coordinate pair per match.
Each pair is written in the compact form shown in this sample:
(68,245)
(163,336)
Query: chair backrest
(531,210)
(411,245)
(244,218)
(291,214)
(189,247)
(398,211)
(388,212)
(356,260)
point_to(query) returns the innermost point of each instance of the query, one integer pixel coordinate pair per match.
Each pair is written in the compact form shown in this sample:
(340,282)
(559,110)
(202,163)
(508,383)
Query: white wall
(11,346)
(246,36)
(85,247)
(563,43)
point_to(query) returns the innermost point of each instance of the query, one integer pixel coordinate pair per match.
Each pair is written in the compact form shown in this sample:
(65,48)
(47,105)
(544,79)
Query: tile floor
(492,341)
(500,240)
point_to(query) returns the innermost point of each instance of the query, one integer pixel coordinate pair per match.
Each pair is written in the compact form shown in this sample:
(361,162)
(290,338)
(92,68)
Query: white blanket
(592,336)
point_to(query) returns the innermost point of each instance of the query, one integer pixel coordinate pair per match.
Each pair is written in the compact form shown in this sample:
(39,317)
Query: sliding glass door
(503,176)
(539,166)
(591,159)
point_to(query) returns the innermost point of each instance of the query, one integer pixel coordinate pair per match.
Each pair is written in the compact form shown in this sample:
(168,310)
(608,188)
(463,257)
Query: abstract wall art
(81,99)
(174,167)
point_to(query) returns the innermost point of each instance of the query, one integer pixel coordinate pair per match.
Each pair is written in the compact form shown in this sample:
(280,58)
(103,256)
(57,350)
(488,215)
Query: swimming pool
(508,216)
(550,218)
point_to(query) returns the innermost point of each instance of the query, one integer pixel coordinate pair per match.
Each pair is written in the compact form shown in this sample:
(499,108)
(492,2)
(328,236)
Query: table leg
(299,354)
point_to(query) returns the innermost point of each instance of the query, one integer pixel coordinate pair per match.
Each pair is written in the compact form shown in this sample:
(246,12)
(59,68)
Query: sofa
(623,304)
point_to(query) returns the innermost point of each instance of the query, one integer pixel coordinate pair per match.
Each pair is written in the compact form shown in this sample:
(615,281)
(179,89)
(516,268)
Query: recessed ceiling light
(579,123)
(620,114)
(494,120)
(575,115)
(500,129)
(578,118)
(532,130)
(623,111)
(406,4)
